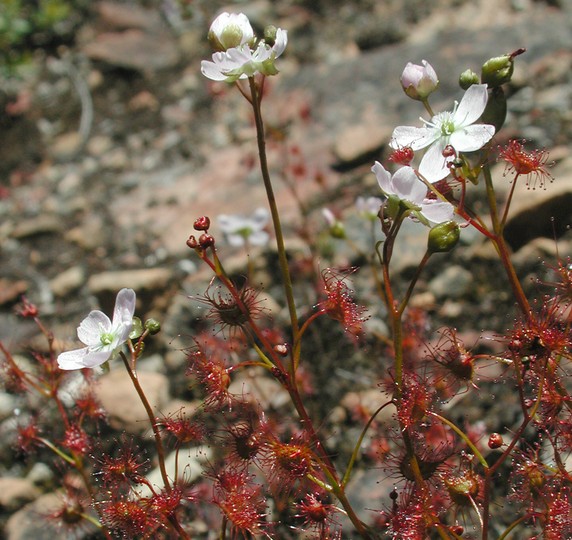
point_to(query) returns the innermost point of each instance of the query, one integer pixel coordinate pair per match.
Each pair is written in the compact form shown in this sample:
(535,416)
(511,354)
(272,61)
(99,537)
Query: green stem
(157,435)
(282,259)
(463,436)
(357,446)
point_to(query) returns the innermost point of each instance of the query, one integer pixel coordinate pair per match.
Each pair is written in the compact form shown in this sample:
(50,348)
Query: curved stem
(357,446)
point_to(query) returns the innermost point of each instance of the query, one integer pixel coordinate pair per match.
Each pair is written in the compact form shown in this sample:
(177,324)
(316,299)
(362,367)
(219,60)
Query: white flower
(230,30)
(102,336)
(456,128)
(241,61)
(368,208)
(419,81)
(405,186)
(241,229)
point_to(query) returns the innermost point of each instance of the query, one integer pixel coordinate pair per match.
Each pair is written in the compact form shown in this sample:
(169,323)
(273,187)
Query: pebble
(118,397)
(454,282)
(69,280)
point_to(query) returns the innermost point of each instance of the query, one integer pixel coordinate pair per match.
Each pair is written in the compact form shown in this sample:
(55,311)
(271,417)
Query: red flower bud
(202,224)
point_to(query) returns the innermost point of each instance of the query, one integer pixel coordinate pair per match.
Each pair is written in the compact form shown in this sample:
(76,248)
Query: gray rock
(15,492)
(454,282)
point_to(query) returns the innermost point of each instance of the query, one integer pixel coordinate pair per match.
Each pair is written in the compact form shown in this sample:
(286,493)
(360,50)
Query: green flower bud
(152,326)
(136,329)
(270,35)
(443,237)
(495,111)
(497,71)
(337,230)
(468,78)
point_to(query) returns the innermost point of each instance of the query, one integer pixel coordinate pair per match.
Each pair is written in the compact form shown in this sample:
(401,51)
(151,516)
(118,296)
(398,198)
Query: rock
(134,49)
(189,465)
(8,403)
(15,492)
(261,390)
(366,402)
(361,142)
(454,282)
(123,16)
(33,226)
(68,281)
(66,146)
(543,211)
(149,279)
(118,397)
(10,290)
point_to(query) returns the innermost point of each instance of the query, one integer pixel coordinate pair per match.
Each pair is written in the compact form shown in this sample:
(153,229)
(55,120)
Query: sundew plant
(283,472)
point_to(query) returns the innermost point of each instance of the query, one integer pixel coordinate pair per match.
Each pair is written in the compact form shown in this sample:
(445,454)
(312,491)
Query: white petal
(471,138)
(258,238)
(407,186)
(124,307)
(433,166)
(90,329)
(259,218)
(235,240)
(211,71)
(280,42)
(383,178)
(230,223)
(438,212)
(81,358)
(72,359)
(472,105)
(414,137)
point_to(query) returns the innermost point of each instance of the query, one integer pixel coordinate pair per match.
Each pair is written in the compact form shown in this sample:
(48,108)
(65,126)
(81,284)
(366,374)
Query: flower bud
(497,70)
(192,242)
(468,78)
(419,81)
(153,326)
(230,30)
(495,441)
(206,240)
(202,224)
(270,35)
(443,237)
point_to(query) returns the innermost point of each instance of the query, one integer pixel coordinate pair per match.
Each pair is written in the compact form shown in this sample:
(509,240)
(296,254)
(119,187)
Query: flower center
(106,338)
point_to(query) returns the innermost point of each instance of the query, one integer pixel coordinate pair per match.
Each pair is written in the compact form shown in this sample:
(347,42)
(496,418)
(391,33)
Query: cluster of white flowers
(239,55)
(456,129)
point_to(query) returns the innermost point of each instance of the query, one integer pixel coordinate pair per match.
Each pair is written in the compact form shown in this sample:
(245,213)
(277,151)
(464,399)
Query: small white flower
(241,60)
(419,81)
(230,30)
(368,208)
(456,128)
(102,337)
(405,186)
(241,229)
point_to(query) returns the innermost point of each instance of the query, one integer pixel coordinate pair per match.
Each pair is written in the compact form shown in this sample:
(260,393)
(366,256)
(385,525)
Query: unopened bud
(230,30)
(443,237)
(418,81)
(497,70)
(206,240)
(495,441)
(468,78)
(270,35)
(281,349)
(192,242)
(152,326)
(337,230)
(202,224)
